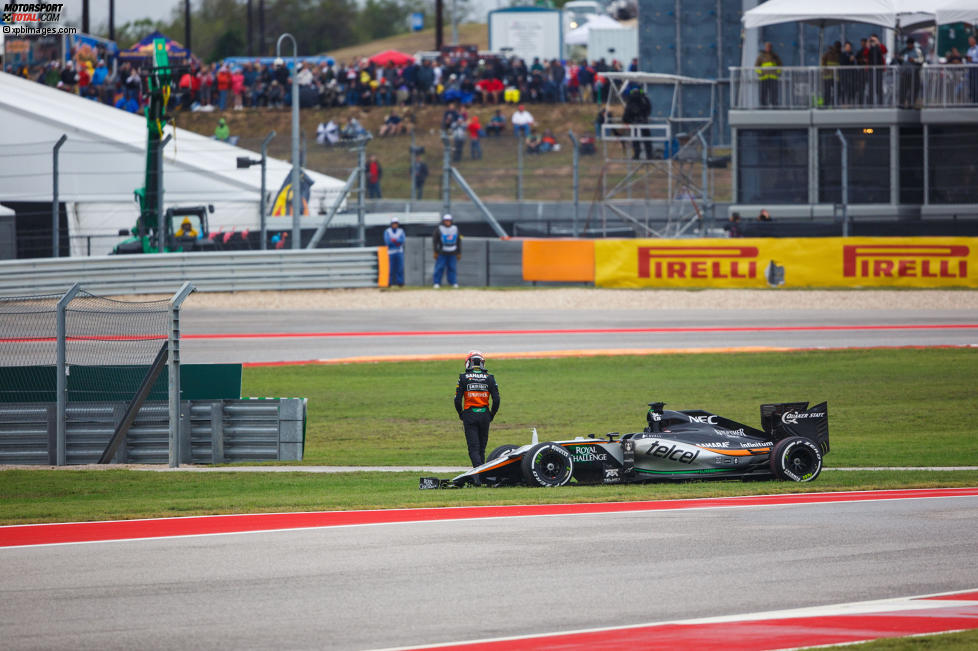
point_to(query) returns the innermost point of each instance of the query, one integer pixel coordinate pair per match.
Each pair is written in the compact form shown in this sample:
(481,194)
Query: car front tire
(547,464)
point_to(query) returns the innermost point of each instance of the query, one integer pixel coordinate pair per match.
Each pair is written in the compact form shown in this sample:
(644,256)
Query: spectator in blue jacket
(394,239)
(448,251)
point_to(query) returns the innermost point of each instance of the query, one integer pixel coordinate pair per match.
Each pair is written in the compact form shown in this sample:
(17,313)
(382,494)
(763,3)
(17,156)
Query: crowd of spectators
(121,87)
(859,75)
(490,80)
(207,87)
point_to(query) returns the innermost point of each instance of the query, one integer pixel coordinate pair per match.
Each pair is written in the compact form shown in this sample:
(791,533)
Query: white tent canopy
(956,11)
(600,21)
(886,13)
(103,161)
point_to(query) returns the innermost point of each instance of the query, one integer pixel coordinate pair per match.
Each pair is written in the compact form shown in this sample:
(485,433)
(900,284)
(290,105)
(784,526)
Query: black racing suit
(472,395)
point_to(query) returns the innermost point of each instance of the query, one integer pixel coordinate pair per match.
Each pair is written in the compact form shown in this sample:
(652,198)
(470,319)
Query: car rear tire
(796,459)
(501,450)
(547,464)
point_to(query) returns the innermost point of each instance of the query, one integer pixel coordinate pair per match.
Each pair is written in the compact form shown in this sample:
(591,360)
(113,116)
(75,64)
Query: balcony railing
(847,87)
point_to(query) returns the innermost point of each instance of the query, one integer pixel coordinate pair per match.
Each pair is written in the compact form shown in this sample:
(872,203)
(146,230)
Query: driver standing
(472,394)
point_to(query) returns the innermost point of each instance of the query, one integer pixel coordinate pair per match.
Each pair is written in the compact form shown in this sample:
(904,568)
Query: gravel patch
(583,298)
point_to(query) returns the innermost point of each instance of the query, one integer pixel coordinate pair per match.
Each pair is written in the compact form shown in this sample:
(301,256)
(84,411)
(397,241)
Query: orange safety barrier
(570,261)
(383,267)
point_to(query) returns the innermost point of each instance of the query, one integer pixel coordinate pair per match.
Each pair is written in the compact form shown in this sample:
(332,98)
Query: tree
(381,18)
(132,32)
(219,26)
(228,44)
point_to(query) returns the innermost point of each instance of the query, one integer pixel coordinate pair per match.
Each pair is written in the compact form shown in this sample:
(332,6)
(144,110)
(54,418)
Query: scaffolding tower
(679,143)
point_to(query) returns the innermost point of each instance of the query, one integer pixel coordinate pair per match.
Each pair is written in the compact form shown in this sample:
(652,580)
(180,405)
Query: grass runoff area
(963,641)
(898,407)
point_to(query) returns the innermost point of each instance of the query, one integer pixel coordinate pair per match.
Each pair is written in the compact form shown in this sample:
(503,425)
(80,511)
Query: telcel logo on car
(673,453)
(905,261)
(704,262)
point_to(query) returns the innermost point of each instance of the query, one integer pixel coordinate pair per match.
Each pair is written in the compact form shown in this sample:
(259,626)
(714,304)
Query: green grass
(962,641)
(117,494)
(887,408)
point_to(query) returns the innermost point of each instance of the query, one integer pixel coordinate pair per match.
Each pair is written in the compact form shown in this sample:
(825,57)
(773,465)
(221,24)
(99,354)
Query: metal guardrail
(840,87)
(209,272)
(218,431)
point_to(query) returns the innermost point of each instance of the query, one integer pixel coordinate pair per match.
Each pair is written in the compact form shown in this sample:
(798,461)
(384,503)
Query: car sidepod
(662,456)
(596,461)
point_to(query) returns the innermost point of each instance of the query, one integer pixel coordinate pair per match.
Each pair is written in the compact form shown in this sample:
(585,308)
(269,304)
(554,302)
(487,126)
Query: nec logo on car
(905,261)
(697,262)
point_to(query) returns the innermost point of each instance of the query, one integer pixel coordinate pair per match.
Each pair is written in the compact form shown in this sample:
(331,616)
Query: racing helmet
(475,359)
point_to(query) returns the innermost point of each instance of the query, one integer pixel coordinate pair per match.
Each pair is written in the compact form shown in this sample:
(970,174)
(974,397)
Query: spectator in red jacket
(223,86)
(237,88)
(374,174)
(475,133)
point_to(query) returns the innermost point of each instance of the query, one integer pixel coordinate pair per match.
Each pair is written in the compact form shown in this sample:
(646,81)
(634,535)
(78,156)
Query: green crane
(145,236)
(160,84)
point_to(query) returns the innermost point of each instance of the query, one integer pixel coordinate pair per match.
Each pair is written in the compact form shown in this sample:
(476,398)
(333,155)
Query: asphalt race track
(296,335)
(445,581)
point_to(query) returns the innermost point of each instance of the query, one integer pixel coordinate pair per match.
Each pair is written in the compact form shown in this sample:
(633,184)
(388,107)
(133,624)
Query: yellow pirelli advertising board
(788,262)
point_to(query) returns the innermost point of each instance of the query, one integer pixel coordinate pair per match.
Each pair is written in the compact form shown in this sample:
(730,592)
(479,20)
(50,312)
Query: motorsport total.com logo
(33,19)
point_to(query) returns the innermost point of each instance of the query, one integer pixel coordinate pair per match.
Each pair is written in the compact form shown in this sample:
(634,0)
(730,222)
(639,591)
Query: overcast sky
(125,10)
(130,10)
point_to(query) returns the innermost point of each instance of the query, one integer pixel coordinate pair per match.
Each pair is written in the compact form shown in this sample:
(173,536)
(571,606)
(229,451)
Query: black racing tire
(547,464)
(796,459)
(500,451)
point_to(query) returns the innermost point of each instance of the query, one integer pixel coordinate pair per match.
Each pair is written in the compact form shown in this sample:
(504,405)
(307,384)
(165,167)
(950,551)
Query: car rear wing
(785,419)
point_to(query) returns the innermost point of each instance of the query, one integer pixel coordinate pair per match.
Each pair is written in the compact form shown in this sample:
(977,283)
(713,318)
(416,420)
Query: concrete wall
(486,262)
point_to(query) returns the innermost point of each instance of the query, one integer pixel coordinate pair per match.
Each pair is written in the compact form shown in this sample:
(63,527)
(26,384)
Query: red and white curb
(209,525)
(782,629)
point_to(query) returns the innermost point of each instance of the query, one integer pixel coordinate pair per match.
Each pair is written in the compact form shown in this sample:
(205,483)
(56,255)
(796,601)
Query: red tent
(392,56)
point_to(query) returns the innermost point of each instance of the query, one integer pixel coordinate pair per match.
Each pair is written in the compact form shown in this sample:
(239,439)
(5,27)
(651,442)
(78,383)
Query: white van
(577,11)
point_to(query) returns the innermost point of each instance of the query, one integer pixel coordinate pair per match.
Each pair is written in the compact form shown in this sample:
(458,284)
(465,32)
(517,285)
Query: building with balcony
(911,134)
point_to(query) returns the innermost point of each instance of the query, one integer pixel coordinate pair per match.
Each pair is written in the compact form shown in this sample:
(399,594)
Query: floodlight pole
(414,171)
(296,185)
(454,22)
(263,205)
(55,208)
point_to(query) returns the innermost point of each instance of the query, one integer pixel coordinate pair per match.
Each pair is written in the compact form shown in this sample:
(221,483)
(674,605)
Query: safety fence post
(577,185)
(264,200)
(61,443)
(519,167)
(361,206)
(446,174)
(845,182)
(179,450)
